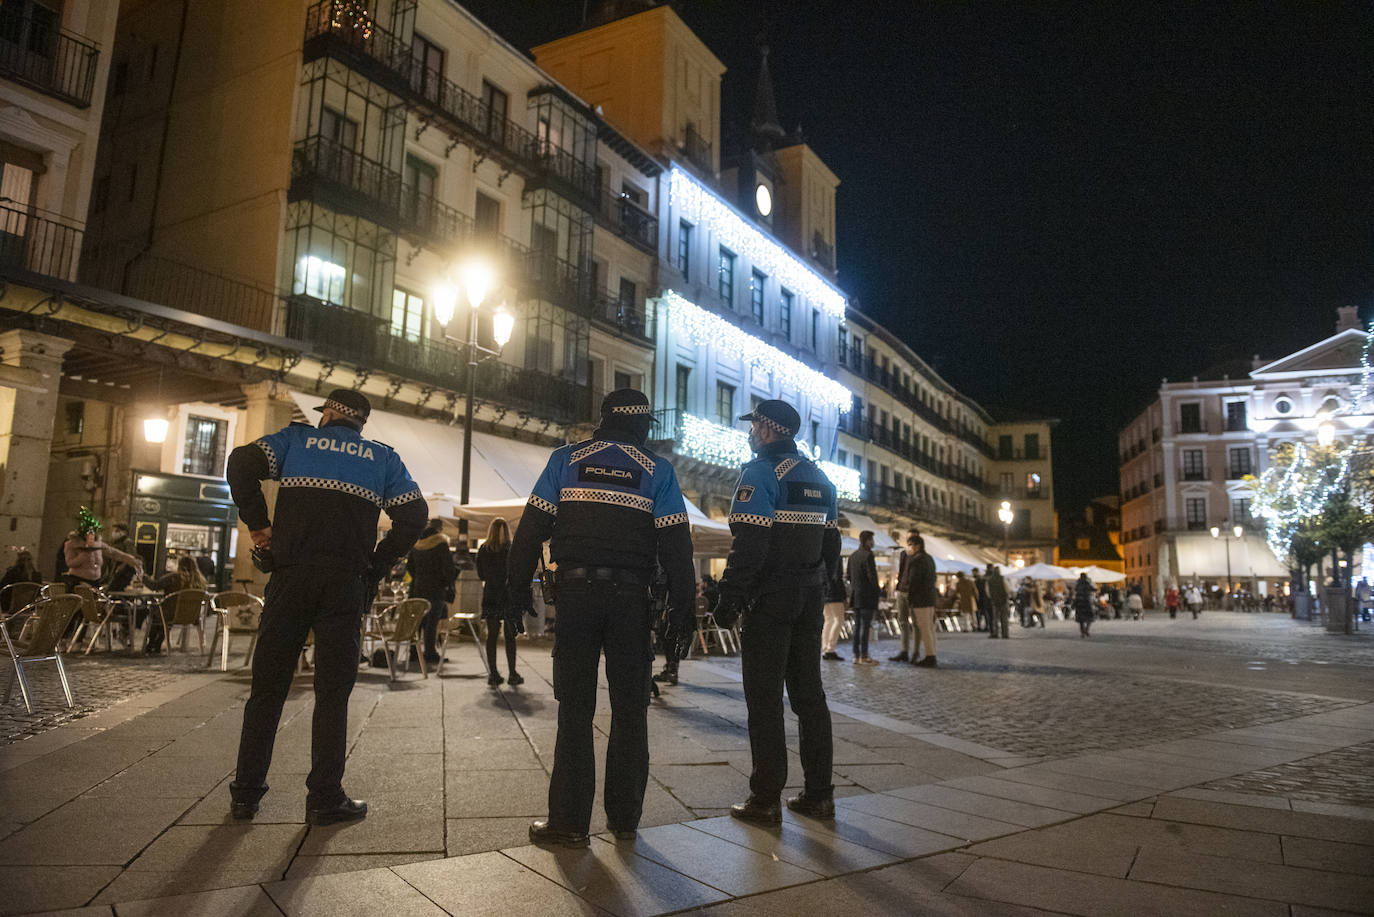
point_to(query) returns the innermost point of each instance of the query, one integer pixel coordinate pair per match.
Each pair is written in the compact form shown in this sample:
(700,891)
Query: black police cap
(625,402)
(779,415)
(348,403)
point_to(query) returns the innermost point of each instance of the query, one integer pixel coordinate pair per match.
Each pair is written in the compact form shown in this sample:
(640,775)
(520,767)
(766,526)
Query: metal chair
(456,622)
(405,631)
(238,613)
(42,624)
(16,595)
(97,613)
(184,608)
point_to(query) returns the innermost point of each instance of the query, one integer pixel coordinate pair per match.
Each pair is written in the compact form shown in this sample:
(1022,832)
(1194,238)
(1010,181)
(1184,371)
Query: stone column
(30,372)
(265,413)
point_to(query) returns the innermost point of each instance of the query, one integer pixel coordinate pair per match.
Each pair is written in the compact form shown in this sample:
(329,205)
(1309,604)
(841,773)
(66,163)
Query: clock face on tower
(763,199)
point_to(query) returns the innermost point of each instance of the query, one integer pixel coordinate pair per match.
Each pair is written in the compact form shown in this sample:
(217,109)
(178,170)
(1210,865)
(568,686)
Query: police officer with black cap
(321,554)
(786,549)
(610,509)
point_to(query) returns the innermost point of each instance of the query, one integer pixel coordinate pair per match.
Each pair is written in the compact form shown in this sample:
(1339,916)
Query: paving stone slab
(138,885)
(37,888)
(1101,896)
(243,901)
(387,829)
(1289,884)
(826,855)
(714,861)
(1332,856)
(204,848)
(931,818)
(1006,810)
(1110,791)
(1235,799)
(1051,797)
(379,891)
(616,879)
(91,832)
(303,866)
(1248,755)
(706,786)
(876,833)
(878,778)
(95,910)
(1143,809)
(465,836)
(284,803)
(1269,821)
(494,793)
(1331,808)
(1150,775)
(493,754)
(153,777)
(491,883)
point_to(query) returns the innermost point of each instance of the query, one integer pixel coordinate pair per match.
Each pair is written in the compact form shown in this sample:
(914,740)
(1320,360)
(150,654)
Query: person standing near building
(1084,604)
(493,569)
(965,597)
(321,554)
(980,586)
(430,564)
(922,597)
(834,617)
(786,548)
(610,510)
(864,593)
(902,603)
(1171,601)
(999,610)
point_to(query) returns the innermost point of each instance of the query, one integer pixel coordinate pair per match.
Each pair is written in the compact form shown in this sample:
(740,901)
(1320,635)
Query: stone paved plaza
(1161,767)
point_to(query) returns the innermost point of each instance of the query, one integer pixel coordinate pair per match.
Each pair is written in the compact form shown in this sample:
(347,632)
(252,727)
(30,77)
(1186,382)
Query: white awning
(942,549)
(858,522)
(1199,554)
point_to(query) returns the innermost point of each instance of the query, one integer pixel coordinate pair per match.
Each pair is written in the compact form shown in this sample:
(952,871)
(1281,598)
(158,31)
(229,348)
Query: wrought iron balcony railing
(627,219)
(156,279)
(37,241)
(36,53)
(629,319)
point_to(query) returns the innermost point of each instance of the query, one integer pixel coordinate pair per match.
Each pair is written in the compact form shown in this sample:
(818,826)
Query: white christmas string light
(702,328)
(696,203)
(710,442)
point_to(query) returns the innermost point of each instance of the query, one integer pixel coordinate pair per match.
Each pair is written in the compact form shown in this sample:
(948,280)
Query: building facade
(1186,461)
(287,196)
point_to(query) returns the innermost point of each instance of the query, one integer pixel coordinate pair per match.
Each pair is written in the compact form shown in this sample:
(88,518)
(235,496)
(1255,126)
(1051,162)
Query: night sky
(1058,204)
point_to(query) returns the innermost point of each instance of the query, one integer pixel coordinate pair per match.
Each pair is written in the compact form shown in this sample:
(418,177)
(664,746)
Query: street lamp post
(1237,531)
(1004,513)
(477,279)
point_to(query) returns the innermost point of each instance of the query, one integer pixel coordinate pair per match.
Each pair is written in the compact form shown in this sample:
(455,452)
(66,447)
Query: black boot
(758,811)
(542,835)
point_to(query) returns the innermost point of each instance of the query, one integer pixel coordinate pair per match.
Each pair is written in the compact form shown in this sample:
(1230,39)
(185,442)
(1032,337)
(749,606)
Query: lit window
(320,279)
(407,316)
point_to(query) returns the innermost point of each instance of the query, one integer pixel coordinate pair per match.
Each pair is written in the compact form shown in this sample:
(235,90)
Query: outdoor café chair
(405,631)
(97,614)
(40,642)
(455,622)
(16,595)
(239,613)
(184,608)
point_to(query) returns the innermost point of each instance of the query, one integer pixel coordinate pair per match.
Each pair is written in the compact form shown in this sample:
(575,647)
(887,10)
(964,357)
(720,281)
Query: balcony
(1194,474)
(822,252)
(153,278)
(626,319)
(34,52)
(341,179)
(1021,455)
(697,150)
(628,220)
(359,337)
(354,38)
(38,241)
(875,433)
(885,496)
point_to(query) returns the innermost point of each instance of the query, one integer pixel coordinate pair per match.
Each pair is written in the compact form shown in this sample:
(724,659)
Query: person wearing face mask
(786,550)
(322,553)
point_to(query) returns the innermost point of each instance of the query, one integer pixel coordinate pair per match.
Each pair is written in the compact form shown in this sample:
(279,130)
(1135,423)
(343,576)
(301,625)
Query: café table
(133,599)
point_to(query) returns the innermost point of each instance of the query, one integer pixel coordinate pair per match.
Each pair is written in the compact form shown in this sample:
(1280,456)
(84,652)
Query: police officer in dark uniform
(610,509)
(786,549)
(320,550)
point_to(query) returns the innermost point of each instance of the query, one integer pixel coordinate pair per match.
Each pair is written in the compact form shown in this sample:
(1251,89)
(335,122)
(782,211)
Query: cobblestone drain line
(1058,712)
(98,682)
(1343,776)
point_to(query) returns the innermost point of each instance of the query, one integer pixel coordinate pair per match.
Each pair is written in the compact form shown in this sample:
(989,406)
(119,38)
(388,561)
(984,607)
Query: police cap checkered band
(348,403)
(625,402)
(778,416)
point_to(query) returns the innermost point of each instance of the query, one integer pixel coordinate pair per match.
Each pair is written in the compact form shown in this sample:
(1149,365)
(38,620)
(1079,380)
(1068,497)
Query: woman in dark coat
(492,558)
(22,571)
(1084,598)
(430,563)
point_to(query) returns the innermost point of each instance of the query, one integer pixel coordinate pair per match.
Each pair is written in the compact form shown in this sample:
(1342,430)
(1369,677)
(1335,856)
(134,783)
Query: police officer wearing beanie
(320,550)
(610,509)
(786,550)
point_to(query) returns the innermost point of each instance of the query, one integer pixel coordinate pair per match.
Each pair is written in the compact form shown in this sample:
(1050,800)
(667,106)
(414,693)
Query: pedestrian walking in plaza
(922,596)
(834,617)
(1084,604)
(1022,601)
(1135,605)
(999,611)
(610,510)
(322,552)
(430,563)
(980,586)
(902,604)
(786,548)
(864,593)
(965,597)
(1171,601)
(1194,595)
(493,569)
(1037,604)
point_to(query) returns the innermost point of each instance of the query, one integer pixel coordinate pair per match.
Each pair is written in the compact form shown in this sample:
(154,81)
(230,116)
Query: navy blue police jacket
(334,486)
(785,522)
(607,502)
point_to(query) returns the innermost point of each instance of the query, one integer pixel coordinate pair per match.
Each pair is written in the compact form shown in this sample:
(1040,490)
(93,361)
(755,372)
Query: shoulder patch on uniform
(744,494)
(591,448)
(786,465)
(643,460)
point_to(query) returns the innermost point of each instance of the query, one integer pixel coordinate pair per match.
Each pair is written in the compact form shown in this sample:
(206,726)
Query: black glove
(727,610)
(521,599)
(378,569)
(682,630)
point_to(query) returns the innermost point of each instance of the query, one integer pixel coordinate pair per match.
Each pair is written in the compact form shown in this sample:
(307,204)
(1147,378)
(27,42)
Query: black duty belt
(618,575)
